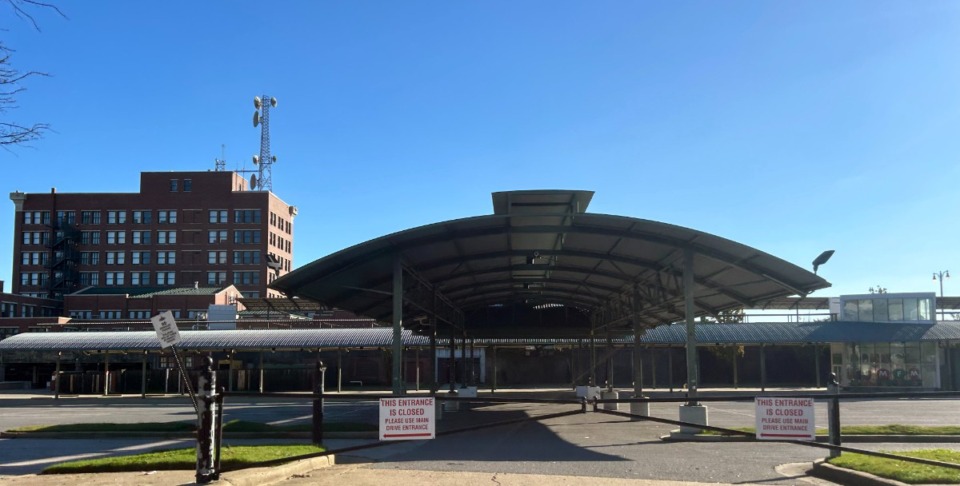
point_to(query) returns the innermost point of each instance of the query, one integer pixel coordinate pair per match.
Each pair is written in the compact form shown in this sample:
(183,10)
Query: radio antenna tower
(264,161)
(221,163)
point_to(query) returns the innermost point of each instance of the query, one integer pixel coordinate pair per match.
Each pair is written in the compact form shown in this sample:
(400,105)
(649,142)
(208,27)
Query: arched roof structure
(542,266)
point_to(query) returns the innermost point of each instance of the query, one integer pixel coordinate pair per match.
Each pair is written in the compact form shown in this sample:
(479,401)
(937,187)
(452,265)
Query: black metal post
(834,415)
(206,445)
(218,436)
(318,404)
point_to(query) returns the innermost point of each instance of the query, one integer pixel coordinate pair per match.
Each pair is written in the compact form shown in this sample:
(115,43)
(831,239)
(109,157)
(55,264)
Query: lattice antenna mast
(220,164)
(265,160)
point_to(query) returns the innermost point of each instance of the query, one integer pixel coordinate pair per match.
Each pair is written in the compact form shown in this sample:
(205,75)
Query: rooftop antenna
(220,164)
(264,161)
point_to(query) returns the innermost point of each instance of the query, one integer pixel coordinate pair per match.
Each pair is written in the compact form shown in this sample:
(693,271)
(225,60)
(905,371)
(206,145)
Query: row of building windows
(280,223)
(893,309)
(280,242)
(94,217)
(117,279)
(132,314)
(145,237)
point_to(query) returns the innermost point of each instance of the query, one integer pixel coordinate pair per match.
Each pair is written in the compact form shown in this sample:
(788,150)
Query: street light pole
(940,276)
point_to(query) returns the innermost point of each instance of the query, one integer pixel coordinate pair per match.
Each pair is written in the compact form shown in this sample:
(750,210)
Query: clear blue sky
(793,127)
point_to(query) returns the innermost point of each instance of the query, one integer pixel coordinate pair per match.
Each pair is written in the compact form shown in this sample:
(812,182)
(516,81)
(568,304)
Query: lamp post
(940,276)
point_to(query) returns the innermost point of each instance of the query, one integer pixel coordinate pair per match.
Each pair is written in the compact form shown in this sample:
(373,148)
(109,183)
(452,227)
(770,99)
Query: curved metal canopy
(539,258)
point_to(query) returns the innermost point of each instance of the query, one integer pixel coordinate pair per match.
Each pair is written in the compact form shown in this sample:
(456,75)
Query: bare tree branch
(20,10)
(12,133)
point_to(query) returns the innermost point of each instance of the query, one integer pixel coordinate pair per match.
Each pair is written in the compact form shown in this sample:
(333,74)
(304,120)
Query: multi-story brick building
(181,229)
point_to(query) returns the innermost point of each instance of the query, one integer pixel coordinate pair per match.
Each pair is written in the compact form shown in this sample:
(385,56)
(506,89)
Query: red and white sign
(407,418)
(785,418)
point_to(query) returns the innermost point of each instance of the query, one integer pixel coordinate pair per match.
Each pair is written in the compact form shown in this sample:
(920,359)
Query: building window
(246,278)
(166,237)
(141,237)
(109,314)
(113,278)
(90,217)
(246,216)
(165,278)
(89,258)
(167,216)
(36,237)
(116,217)
(173,185)
(143,217)
(81,314)
(217,236)
(89,278)
(69,217)
(166,257)
(216,278)
(139,278)
(139,314)
(246,236)
(187,185)
(116,237)
(246,257)
(140,258)
(218,216)
(216,257)
(115,257)
(90,238)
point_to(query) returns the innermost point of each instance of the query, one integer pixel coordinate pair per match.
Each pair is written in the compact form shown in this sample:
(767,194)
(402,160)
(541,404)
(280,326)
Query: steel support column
(435,378)
(106,374)
(593,359)
(693,375)
(637,356)
(260,384)
(452,368)
(763,367)
(56,377)
(143,376)
(339,370)
(816,363)
(397,325)
(493,382)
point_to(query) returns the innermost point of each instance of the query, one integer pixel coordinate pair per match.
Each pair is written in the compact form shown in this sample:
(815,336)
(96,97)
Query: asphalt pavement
(583,448)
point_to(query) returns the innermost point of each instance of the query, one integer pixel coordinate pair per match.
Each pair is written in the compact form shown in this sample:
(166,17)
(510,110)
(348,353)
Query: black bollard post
(834,414)
(206,453)
(318,389)
(218,432)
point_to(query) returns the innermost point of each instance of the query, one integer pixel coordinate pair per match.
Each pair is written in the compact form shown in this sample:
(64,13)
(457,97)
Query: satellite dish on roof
(256,118)
(256,102)
(253,181)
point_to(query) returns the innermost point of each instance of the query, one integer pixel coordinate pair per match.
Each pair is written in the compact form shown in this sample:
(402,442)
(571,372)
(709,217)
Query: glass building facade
(888,364)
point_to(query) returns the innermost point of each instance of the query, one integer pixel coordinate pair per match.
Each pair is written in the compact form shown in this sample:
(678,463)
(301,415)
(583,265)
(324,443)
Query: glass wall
(913,364)
(888,308)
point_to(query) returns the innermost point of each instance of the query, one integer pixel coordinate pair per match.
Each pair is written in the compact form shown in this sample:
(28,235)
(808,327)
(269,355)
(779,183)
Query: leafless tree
(11,79)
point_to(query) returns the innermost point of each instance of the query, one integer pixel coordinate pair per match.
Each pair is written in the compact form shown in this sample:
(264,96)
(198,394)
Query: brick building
(182,229)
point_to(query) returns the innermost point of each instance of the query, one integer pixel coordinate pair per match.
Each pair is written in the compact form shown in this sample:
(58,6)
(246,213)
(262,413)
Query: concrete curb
(849,477)
(261,476)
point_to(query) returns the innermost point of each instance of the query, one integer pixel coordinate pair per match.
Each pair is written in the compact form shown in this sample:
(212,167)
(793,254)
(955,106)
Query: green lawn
(238,426)
(237,457)
(893,429)
(903,471)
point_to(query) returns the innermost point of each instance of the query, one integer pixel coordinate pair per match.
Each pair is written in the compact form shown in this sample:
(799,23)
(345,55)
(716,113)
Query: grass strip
(236,457)
(893,429)
(903,471)
(237,426)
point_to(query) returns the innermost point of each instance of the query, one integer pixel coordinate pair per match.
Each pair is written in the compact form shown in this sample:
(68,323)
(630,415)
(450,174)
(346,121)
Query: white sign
(785,418)
(406,418)
(166,328)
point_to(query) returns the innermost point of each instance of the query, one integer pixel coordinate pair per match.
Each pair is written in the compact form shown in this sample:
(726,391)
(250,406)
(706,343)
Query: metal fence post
(318,404)
(206,444)
(833,414)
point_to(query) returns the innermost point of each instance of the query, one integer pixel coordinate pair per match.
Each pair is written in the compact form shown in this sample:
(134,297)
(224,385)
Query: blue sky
(793,127)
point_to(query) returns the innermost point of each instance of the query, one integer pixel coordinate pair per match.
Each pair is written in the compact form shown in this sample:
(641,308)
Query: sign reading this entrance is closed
(785,418)
(406,418)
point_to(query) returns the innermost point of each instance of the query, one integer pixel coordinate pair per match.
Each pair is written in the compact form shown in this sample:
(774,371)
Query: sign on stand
(407,418)
(167,331)
(785,418)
